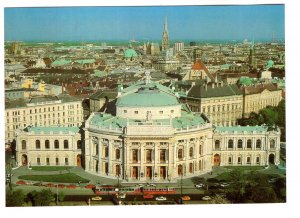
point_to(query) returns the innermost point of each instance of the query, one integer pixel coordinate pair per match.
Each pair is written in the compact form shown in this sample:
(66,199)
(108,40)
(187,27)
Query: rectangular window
(136,112)
(248,160)
(172,111)
(48,161)
(163,155)
(135,155)
(38,161)
(57,161)
(125,111)
(66,161)
(161,112)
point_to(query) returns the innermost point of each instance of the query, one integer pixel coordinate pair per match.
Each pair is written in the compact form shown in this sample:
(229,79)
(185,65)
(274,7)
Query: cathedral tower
(165,37)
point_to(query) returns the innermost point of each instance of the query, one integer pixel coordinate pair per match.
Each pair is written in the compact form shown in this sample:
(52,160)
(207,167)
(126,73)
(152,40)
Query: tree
(61,196)
(218,199)
(237,190)
(42,198)
(15,198)
(280,188)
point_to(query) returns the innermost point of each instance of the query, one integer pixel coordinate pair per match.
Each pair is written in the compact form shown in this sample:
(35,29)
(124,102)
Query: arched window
(66,144)
(217,145)
(258,143)
(180,170)
(118,170)
(117,153)
(191,167)
(79,144)
(47,144)
(200,165)
(38,144)
(180,153)
(230,144)
(23,144)
(240,143)
(249,143)
(272,143)
(56,144)
(191,152)
(200,149)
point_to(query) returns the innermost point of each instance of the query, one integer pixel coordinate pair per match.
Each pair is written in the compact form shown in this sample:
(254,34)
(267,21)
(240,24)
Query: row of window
(40,110)
(47,144)
(148,112)
(240,160)
(240,144)
(38,161)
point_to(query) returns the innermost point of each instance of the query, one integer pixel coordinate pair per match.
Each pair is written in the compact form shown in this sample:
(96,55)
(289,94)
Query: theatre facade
(152,137)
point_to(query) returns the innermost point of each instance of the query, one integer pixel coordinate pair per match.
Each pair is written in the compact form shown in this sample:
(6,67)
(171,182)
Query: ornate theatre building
(151,136)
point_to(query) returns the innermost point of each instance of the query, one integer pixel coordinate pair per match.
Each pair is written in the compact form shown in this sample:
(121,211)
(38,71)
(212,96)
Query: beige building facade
(257,97)
(49,146)
(42,111)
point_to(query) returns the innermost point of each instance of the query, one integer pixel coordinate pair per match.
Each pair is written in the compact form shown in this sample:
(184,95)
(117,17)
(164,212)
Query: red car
(148,196)
(21,182)
(60,185)
(50,185)
(71,186)
(90,186)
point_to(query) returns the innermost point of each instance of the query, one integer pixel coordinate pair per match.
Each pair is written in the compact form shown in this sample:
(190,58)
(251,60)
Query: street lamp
(56,194)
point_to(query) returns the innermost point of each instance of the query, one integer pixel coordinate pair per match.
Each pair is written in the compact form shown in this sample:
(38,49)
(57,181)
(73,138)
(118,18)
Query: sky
(256,22)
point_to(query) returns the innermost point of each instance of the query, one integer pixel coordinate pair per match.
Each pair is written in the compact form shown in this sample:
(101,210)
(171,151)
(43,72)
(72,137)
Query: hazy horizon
(193,23)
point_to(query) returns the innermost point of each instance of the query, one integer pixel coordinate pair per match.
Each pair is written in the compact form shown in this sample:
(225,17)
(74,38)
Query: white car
(206,198)
(161,198)
(152,185)
(224,184)
(122,195)
(200,185)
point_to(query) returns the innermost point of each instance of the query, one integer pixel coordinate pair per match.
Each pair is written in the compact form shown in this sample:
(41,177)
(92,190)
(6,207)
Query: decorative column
(100,147)
(110,152)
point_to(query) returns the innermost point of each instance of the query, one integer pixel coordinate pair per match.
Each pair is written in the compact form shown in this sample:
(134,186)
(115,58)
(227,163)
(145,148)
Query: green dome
(129,53)
(148,96)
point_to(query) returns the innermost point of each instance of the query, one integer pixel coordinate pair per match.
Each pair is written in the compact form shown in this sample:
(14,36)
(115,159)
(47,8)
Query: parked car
(224,184)
(186,198)
(161,198)
(154,185)
(200,185)
(206,198)
(122,195)
(97,198)
(148,196)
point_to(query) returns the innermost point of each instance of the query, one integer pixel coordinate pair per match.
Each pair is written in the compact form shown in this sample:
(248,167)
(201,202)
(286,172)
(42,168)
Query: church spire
(165,36)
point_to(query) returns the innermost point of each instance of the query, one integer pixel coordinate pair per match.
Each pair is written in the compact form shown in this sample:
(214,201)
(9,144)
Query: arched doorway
(79,160)
(271,159)
(217,160)
(24,160)
(180,172)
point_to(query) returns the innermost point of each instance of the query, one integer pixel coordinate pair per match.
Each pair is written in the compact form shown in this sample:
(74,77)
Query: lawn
(50,168)
(63,178)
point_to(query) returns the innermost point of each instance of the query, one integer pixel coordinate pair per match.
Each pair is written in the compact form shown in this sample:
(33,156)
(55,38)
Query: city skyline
(254,22)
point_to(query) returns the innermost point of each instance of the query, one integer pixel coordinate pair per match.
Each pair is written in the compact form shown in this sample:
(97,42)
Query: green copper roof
(61,62)
(130,53)
(85,61)
(147,97)
(241,129)
(187,120)
(55,130)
